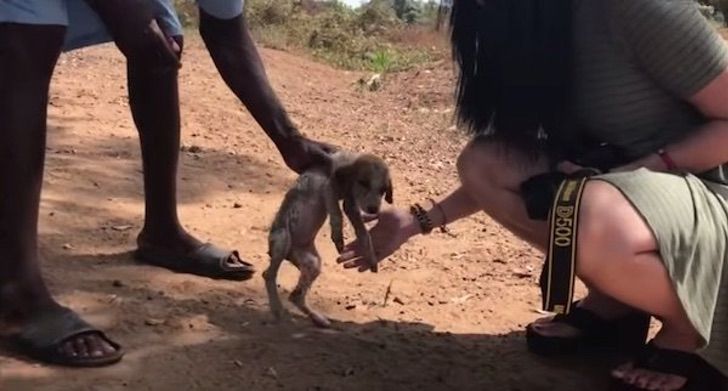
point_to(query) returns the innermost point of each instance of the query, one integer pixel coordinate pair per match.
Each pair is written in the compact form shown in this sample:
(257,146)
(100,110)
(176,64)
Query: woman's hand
(394,227)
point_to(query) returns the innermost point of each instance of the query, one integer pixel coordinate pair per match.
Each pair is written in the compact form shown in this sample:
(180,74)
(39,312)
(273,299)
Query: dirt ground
(461,301)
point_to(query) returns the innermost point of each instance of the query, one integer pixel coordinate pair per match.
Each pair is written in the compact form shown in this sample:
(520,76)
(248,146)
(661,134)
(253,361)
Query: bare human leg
(28,55)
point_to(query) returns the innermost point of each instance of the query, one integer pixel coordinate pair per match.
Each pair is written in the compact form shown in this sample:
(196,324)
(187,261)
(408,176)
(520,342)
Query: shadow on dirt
(231,328)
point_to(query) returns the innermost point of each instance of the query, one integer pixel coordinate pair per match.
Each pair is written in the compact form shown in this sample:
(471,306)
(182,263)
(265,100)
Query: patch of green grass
(363,39)
(382,61)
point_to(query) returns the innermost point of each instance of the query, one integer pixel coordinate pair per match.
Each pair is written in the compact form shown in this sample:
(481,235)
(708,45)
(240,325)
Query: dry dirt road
(462,300)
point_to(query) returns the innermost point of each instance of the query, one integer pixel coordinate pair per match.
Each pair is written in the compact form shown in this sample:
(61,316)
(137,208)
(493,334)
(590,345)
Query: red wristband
(669,163)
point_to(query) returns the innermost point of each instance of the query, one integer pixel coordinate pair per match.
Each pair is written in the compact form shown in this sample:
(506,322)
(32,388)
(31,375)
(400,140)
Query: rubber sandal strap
(51,328)
(206,260)
(584,320)
(215,259)
(672,362)
(47,331)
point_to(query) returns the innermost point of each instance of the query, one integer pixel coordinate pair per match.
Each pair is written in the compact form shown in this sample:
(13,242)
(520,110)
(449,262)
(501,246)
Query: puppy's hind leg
(279,244)
(309,264)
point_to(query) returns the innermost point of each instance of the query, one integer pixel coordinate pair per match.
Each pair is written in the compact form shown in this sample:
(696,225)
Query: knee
(150,49)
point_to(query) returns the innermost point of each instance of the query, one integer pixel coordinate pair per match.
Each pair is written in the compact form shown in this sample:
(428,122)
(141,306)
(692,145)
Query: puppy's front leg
(336,220)
(362,235)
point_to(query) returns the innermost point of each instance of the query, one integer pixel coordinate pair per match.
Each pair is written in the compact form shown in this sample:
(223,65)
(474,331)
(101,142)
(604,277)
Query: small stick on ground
(386,294)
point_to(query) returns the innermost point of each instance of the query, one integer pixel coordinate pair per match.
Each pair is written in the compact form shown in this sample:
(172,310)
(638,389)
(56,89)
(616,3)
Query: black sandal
(45,333)
(627,334)
(206,260)
(700,375)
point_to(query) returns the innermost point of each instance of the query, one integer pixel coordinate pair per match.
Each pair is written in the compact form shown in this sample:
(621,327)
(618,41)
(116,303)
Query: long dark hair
(514,59)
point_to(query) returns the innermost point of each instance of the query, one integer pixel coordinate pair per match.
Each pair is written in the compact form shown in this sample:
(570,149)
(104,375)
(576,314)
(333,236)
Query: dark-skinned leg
(28,55)
(153,97)
(152,69)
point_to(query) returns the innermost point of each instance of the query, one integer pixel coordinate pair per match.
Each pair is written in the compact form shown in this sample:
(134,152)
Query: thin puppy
(360,180)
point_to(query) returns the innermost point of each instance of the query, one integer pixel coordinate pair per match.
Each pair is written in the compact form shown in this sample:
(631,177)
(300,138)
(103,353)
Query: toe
(673,383)
(79,345)
(621,371)
(233,261)
(645,378)
(631,377)
(107,348)
(657,384)
(67,349)
(96,345)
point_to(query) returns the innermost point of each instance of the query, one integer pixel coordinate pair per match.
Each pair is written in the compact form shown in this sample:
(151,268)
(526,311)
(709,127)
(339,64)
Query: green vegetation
(381,36)
(715,10)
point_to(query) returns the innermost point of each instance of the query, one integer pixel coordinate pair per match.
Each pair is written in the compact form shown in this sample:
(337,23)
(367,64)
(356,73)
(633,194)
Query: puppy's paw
(281,316)
(320,320)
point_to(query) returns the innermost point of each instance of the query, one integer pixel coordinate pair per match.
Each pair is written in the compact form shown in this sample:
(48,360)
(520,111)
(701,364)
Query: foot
(179,251)
(175,240)
(280,314)
(319,320)
(298,299)
(602,308)
(643,379)
(31,324)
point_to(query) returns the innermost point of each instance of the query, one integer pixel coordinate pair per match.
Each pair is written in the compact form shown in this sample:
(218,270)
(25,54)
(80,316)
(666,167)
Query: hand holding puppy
(394,227)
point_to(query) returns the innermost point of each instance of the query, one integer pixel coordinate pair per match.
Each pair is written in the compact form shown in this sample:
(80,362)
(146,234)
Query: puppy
(360,180)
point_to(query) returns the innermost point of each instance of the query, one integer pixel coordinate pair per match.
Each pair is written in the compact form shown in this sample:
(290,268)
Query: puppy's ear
(389,194)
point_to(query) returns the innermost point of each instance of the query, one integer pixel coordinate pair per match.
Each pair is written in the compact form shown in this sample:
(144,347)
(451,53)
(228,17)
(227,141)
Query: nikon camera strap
(559,272)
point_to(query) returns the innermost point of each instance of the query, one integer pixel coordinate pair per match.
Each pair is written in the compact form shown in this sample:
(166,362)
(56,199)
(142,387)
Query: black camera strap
(559,272)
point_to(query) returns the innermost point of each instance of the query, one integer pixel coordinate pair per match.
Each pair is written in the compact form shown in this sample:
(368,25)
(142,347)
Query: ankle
(605,307)
(174,236)
(156,232)
(682,337)
(20,299)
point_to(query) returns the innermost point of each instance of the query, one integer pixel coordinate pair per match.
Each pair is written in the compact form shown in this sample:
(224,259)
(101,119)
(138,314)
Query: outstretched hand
(393,228)
(301,154)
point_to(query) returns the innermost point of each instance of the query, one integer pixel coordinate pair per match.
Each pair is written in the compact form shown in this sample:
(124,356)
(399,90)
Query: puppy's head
(367,180)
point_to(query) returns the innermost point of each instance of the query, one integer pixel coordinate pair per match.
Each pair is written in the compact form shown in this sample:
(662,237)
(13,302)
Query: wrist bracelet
(667,159)
(422,218)
(443,226)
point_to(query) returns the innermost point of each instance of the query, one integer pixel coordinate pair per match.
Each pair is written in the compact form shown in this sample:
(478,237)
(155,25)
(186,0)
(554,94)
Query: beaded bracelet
(667,159)
(421,215)
(443,226)
(424,220)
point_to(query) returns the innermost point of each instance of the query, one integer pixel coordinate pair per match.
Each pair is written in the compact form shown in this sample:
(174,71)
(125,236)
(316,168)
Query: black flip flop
(701,376)
(45,333)
(206,260)
(627,334)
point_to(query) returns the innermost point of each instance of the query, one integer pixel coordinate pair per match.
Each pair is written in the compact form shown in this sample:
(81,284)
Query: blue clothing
(85,28)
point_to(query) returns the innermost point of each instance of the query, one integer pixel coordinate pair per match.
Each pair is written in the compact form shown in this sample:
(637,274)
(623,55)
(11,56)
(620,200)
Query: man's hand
(301,153)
